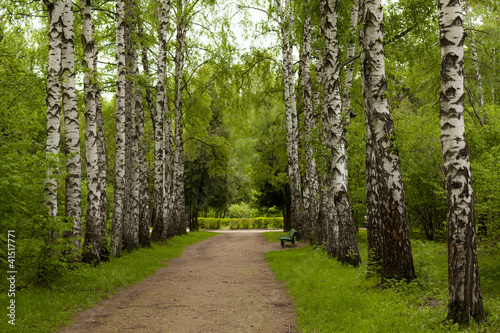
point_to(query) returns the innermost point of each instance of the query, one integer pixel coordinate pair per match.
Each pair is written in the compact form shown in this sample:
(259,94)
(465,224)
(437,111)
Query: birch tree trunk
(311,182)
(326,215)
(131,186)
(71,126)
(397,258)
(465,299)
(119,195)
(179,213)
(348,246)
(375,233)
(285,12)
(101,151)
(159,231)
(55,11)
(144,212)
(92,244)
(349,69)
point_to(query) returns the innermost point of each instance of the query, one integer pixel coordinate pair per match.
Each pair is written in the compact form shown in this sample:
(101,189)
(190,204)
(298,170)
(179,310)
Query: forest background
(233,116)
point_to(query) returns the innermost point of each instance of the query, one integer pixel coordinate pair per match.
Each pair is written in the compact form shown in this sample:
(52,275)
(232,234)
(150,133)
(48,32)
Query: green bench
(292,236)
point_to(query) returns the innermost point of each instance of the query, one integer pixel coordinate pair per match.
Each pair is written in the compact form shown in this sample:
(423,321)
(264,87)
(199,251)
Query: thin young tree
(92,244)
(397,261)
(465,299)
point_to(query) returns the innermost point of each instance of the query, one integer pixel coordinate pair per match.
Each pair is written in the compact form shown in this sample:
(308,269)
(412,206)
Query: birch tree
(119,195)
(465,299)
(332,107)
(285,13)
(55,10)
(71,126)
(311,182)
(397,257)
(92,244)
(159,227)
(179,209)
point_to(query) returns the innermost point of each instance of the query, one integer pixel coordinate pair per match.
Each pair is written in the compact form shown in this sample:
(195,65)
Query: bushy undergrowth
(241,223)
(45,309)
(332,297)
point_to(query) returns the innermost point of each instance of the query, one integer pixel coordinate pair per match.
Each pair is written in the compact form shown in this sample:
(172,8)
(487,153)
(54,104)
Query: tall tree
(375,234)
(397,257)
(332,105)
(311,182)
(179,209)
(130,230)
(285,12)
(465,299)
(144,222)
(71,126)
(118,203)
(159,226)
(55,10)
(92,244)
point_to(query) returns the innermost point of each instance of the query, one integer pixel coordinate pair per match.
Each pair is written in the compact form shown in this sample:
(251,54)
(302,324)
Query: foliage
(242,223)
(41,309)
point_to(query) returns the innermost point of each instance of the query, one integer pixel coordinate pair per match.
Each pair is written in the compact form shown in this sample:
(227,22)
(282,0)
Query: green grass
(45,309)
(332,297)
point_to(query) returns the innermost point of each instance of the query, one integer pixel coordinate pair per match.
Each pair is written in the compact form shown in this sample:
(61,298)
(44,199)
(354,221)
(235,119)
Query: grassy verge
(331,297)
(45,309)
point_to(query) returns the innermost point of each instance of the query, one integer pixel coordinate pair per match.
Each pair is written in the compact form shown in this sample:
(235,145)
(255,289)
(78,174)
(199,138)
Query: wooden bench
(292,236)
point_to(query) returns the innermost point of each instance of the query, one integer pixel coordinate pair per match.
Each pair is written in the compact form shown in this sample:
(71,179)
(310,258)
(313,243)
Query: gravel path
(222,284)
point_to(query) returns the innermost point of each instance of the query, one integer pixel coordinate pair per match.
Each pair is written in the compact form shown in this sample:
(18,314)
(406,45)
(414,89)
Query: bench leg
(282,243)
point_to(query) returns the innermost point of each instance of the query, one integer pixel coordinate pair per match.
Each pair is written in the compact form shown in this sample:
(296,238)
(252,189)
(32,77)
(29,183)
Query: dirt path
(222,284)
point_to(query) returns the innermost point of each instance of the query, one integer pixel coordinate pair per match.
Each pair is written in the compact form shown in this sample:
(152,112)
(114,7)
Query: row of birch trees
(320,201)
(320,205)
(131,213)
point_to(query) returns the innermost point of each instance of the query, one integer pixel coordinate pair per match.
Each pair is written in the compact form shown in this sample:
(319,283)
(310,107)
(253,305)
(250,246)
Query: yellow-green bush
(241,223)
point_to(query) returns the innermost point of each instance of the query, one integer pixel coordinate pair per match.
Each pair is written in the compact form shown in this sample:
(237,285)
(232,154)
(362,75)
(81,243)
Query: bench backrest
(292,232)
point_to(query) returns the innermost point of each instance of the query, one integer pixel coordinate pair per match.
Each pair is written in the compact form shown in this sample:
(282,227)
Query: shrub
(241,223)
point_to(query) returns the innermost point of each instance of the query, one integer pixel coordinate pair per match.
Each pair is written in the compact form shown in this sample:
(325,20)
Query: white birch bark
(71,126)
(55,11)
(118,203)
(348,247)
(285,12)
(101,150)
(144,220)
(159,230)
(465,299)
(179,210)
(130,203)
(349,69)
(311,182)
(92,244)
(397,261)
